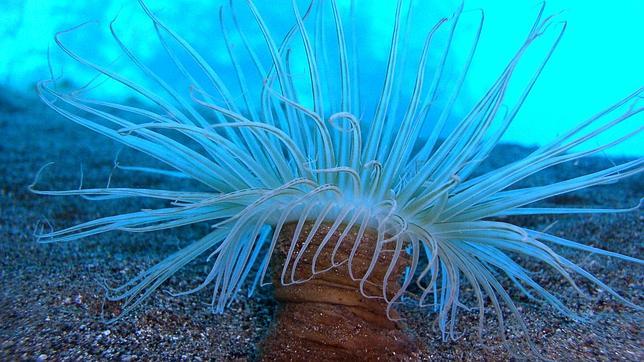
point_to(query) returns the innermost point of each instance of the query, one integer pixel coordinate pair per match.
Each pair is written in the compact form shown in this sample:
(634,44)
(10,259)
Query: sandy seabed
(51,303)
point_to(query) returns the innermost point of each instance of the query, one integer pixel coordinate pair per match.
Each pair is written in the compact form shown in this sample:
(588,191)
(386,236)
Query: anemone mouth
(269,164)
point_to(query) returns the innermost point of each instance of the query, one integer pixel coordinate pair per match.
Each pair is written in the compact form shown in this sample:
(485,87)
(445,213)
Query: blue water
(598,61)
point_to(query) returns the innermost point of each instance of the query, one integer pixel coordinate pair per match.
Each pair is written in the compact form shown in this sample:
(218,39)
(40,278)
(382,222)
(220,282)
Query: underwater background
(598,61)
(52,302)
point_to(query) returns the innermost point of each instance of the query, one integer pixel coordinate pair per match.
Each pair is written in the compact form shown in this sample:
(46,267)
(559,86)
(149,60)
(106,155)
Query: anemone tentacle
(267,159)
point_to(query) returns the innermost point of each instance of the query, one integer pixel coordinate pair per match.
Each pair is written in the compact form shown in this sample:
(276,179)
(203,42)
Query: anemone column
(324,315)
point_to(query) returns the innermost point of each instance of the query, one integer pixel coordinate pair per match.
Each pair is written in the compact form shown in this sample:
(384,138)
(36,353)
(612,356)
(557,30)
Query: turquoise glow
(597,62)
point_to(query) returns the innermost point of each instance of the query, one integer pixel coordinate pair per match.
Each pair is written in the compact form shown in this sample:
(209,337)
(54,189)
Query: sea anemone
(374,203)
